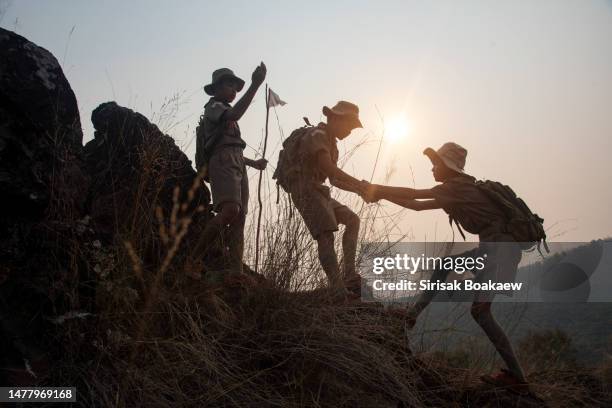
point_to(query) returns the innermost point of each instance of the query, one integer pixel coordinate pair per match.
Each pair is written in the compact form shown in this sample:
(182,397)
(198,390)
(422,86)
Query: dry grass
(161,338)
(259,347)
(177,342)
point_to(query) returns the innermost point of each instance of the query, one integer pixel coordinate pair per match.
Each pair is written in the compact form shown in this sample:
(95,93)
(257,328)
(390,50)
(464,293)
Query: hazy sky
(525,86)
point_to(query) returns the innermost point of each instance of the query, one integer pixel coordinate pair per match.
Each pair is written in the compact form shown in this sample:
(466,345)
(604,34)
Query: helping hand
(259,75)
(367,192)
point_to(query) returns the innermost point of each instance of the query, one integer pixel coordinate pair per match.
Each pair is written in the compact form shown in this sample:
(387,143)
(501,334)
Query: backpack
(204,148)
(200,157)
(525,226)
(290,158)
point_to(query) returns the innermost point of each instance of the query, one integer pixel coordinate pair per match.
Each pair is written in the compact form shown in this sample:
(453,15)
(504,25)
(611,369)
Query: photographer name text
(455,285)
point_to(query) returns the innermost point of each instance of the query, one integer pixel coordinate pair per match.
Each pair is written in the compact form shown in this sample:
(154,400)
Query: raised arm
(236,112)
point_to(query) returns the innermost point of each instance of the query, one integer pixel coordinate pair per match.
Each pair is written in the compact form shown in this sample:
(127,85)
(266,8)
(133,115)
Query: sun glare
(397,129)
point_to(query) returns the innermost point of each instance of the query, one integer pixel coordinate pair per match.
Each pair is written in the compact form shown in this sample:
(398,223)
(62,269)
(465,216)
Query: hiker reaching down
(310,157)
(493,212)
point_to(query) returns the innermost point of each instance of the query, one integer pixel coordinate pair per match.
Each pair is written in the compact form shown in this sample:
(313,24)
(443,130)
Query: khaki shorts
(228,177)
(316,207)
(503,256)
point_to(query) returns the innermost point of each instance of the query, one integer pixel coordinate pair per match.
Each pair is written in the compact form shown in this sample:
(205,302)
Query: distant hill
(587,321)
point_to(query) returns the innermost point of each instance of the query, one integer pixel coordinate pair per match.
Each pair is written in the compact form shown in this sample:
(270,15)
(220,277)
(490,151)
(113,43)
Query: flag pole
(259,182)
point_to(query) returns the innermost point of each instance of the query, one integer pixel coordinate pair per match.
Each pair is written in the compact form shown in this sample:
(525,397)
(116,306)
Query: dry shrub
(545,348)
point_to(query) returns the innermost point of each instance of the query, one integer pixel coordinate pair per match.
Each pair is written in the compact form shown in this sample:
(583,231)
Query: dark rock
(63,203)
(42,177)
(135,168)
(40,133)
(42,180)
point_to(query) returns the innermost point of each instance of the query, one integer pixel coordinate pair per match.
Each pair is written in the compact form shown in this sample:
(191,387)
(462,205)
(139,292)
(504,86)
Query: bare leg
(215,228)
(426,297)
(439,275)
(327,257)
(349,239)
(208,240)
(481,312)
(235,242)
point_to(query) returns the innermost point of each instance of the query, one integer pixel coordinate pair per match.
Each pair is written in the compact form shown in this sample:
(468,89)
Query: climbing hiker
(309,157)
(493,212)
(219,157)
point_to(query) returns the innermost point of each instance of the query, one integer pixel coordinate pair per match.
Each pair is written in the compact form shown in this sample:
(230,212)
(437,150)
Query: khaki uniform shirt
(471,208)
(478,214)
(309,194)
(226,167)
(312,145)
(214,124)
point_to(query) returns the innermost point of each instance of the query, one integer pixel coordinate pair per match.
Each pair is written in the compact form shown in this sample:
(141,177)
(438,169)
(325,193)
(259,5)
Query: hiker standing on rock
(309,157)
(490,210)
(219,156)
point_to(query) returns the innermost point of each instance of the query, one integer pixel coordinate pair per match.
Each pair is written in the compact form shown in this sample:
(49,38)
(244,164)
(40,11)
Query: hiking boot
(505,379)
(226,277)
(214,277)
(353,284)
(356,285)
(237,280)
(194,268)
(338,293)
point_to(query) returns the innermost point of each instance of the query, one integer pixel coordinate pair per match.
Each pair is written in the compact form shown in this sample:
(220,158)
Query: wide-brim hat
(220,75)
(451,154)
(347,111)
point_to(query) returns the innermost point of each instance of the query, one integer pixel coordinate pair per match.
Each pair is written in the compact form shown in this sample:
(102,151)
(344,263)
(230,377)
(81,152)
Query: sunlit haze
(397,129)
(524,86)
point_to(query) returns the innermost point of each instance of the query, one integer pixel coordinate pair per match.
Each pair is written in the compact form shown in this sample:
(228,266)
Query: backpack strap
(543,242)
(450,221)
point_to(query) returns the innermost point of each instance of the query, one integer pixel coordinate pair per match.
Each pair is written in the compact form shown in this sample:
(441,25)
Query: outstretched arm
(404,193)
(236,112)
(416,204)
(337,177)
(259,164)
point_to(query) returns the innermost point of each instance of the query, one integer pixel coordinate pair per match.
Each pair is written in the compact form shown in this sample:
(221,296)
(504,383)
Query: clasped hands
(368,192)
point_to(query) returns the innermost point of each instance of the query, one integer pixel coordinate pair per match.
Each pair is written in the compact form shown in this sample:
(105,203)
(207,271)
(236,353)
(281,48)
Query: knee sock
(329,261)
(349,249)
(426,297)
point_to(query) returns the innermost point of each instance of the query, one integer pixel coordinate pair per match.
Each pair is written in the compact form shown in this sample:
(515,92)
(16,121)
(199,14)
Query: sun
(397,129)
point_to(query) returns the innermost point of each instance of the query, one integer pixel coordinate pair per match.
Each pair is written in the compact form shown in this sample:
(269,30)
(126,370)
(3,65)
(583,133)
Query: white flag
(274,99)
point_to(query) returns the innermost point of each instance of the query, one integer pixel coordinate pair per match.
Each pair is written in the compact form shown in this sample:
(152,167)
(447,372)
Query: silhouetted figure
(219,155)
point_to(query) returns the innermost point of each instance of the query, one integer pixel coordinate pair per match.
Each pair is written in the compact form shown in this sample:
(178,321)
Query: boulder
(42,180)
(69,209)
(135,168)
(40,134)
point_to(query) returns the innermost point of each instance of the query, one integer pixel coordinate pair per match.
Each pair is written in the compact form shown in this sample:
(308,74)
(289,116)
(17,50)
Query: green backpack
(290,158)
(526,227)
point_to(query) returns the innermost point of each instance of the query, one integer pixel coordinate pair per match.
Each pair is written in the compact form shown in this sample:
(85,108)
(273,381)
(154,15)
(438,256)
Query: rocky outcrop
(68,210)
(42,180)
(42,176)
(40,133)
(134,168)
